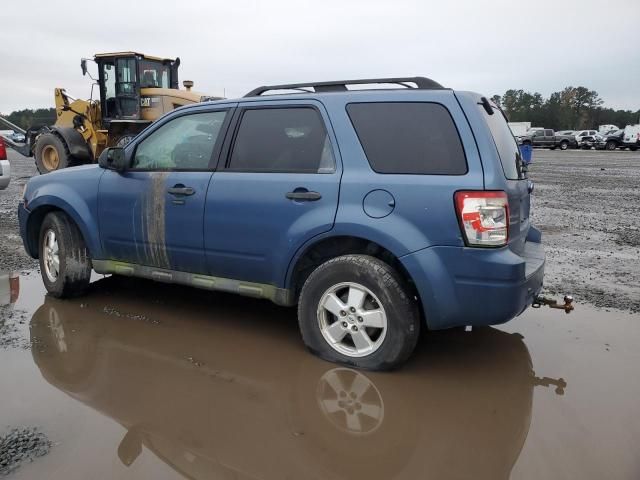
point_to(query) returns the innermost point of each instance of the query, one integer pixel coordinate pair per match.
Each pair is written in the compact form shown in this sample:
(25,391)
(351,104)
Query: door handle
(303,195)
(181,190)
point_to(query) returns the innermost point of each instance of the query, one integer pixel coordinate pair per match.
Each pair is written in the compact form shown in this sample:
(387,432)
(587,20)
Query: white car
(580,134)
(631,137)
(5,168)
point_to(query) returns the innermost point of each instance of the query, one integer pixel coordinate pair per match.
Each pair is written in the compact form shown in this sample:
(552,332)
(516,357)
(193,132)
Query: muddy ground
(143,380)
(586,204)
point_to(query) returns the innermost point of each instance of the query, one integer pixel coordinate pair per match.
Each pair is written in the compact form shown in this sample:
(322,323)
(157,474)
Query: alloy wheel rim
(51,256)
(352,319)
(350,401)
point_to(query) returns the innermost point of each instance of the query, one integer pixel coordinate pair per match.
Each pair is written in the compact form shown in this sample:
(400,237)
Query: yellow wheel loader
(135,89)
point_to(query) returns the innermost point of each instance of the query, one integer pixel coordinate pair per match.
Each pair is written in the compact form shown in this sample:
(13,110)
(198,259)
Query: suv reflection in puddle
(219,386)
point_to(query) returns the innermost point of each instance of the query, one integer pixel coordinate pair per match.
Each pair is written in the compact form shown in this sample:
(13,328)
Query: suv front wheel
(64,260)
(356,310)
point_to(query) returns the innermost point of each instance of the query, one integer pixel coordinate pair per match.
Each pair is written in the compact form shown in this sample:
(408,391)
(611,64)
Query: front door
(278,188)
(152,213)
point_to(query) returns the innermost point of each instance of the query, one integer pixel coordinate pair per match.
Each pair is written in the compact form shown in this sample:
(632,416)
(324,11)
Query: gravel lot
(12,254)
(585,202)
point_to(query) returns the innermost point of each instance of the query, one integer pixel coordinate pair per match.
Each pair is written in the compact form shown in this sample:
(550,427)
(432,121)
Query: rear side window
(506,145)
(290,140)
(408,138)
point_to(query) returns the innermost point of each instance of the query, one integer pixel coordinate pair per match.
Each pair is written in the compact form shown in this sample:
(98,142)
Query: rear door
(549,138)
(277,186)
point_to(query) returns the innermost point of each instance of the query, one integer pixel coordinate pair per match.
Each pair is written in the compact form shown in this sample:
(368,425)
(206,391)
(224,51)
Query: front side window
(109,89)
(184,143)
(153,74)
(409,138)
(292,140)
(126,74)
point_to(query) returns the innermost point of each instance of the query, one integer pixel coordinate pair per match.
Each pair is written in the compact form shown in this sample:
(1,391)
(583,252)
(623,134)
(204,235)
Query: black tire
(633,149)
(611,145)
(552,148)
(402,313)
(49,145)
(74,263)
(564,145)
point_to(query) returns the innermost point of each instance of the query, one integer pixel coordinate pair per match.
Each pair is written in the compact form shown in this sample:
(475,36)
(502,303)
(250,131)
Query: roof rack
(422,83)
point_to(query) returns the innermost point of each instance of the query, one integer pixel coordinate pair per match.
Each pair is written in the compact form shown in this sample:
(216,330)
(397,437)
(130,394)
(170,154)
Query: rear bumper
(472,286)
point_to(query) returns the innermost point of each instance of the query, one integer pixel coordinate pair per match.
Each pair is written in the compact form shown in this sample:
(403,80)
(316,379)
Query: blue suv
(376,211)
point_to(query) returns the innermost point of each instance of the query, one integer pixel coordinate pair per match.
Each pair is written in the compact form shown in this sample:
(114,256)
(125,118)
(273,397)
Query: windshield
(154,74)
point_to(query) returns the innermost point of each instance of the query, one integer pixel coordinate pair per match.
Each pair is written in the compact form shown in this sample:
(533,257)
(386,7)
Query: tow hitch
(540,300)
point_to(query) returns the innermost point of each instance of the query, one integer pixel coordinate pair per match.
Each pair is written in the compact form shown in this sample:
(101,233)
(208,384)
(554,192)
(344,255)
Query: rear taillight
(484,217)
(3,150)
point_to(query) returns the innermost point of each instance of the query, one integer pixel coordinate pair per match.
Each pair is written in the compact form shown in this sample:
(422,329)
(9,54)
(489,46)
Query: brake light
(484,217)
(3,150)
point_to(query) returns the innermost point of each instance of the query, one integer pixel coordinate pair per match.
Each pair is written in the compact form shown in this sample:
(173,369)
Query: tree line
(31,118)
(573,108)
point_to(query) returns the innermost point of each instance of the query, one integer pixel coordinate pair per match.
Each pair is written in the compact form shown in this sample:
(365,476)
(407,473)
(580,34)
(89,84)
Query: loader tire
(51,153)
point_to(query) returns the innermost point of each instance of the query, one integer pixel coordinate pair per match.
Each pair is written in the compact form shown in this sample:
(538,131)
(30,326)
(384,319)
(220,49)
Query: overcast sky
(234,46)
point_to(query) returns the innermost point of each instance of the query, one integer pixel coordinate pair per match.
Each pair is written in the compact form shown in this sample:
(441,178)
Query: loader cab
(122,75)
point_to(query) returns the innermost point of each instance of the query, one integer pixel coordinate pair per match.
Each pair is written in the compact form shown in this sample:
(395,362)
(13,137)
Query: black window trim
(217,147)
(227,149)
(364,153)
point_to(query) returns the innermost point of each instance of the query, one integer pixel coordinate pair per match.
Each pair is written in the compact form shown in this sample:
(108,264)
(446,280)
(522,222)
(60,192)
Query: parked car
(546,138)
(377,212)
(18,137)
(5,167)
(631,137)
(580,134)
(610,141)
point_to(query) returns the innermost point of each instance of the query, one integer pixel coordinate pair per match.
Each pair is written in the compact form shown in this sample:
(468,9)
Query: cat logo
(145,101)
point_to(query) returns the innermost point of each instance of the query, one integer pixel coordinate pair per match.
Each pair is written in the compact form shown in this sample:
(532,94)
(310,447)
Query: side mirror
(83,66)
(113,158)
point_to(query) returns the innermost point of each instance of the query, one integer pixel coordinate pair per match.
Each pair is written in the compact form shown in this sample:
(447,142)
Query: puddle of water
(145,380)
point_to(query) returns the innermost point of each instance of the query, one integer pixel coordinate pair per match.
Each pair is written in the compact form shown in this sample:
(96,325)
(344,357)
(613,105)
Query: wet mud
(585,203)
(146,380)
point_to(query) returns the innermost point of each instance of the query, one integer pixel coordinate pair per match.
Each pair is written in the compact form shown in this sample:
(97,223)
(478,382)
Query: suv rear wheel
(356,310)
(64,260)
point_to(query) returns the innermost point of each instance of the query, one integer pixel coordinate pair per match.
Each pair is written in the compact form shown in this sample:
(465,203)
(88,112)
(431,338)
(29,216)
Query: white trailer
(603,129)
(519,128)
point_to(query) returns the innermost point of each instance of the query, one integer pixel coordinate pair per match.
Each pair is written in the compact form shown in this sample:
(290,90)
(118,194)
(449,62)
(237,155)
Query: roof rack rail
(422,83)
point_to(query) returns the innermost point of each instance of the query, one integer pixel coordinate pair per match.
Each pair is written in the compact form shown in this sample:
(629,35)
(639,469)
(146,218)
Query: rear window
(506,145)
(408,138)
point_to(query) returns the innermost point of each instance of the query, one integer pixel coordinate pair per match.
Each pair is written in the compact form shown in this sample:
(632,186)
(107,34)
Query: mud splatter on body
(153,222)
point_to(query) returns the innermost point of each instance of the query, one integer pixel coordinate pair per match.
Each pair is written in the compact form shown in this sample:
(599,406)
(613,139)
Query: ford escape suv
(377,211)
